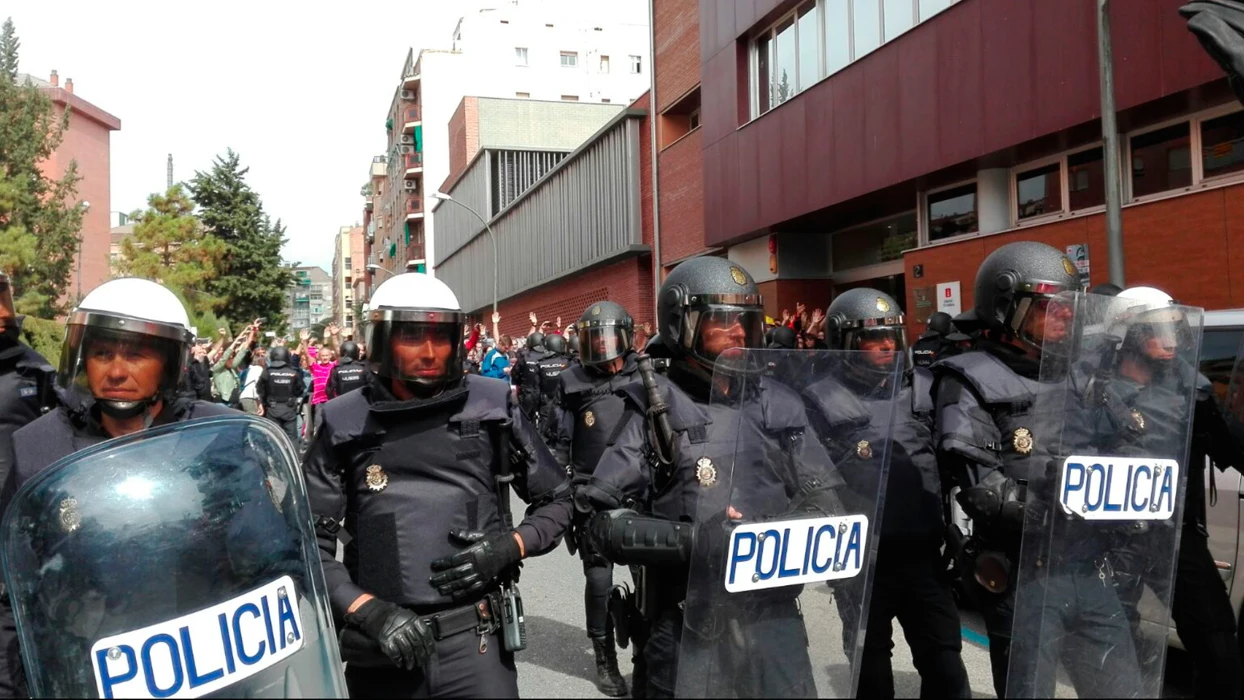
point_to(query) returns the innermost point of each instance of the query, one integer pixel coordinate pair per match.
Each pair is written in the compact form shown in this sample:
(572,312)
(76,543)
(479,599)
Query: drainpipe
(652,124)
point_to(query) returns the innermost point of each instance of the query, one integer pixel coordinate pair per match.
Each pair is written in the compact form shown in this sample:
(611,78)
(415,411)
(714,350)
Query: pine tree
(171,246)
(252,281)
(9,46)
(37,213)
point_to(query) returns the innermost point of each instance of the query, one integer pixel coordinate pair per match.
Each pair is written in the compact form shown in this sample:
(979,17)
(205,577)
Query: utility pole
(1110,147)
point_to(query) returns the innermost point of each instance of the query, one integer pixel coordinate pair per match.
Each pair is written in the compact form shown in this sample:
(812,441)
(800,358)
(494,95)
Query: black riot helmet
(349,351)
(278,357)
(605,332)
(940,323)
(706,305)
(1017,281)
(555,344)
(535,341)
(782,337)
(860,319)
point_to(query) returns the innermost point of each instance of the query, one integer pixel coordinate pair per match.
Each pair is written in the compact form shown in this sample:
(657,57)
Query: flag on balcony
(393,250)
(407,233)
(419,138)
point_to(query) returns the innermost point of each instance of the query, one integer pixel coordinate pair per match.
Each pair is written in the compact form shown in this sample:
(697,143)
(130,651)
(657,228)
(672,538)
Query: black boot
(608,679)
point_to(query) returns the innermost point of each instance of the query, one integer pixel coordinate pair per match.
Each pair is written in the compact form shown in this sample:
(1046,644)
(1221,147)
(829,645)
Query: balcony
(413,162)
(379,166)
(414,207)
(411,118)
(410,71)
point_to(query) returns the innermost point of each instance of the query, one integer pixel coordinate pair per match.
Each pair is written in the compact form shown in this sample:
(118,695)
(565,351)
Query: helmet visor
(877,345)
(720,328)
(119,365)
(425,352)
(1041,320)
(600,344)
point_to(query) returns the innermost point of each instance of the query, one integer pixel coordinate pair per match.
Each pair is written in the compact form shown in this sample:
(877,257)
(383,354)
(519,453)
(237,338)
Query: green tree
(252,281)
(37,213)
(9,46)
(171,246)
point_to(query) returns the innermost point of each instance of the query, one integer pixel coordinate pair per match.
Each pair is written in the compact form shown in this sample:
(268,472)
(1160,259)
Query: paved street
(558,662)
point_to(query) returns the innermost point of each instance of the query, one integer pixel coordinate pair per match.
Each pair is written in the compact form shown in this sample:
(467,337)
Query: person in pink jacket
(321,367)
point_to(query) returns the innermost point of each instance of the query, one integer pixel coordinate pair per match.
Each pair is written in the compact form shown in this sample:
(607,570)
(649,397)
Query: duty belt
(481,617)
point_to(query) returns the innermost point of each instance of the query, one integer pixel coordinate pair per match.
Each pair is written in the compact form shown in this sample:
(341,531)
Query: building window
(1086,180)
(520,55)
(347,265)
(523,95)
(1222,145)
(1161,160)
(1039,191)
(694,119)
(952,212)
(637,64)
(570,59)
(570,98)
(604,64)
(605,100)
(794,52)
(873,243)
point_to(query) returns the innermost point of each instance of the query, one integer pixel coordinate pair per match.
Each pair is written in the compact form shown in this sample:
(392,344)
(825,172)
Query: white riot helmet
(411,310)
(1149,324)
(126,346)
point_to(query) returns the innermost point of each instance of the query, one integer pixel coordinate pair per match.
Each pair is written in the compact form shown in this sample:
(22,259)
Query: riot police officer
(124,353)
(280,390)
(526,375)
(647,483)
(929,346)
(591,402)
(26,378)
(869,325)
(1201,608)
(985,429)
(348,374)
(549,370)
(418,465)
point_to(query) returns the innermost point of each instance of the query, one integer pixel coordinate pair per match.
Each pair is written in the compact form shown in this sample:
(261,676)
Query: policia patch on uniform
(863,450)
(377,480)
(589,419)
(1022,441)
(705,472)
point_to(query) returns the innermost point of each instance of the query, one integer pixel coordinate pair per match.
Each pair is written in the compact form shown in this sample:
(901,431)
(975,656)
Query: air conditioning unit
(406,139)
(408,94)
(406,149)
(410,186)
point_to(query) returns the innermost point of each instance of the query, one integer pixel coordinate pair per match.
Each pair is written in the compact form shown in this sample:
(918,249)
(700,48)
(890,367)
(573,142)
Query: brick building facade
(86,143)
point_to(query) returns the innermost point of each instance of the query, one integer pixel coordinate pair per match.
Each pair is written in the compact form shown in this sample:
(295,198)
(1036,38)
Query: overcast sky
(299,90)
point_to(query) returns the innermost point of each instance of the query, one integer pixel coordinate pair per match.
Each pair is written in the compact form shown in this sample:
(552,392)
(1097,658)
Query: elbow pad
(626,537)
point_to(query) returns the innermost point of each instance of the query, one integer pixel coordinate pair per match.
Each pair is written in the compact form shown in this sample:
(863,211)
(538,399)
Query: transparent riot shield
(791,478)
(176,562)
(1101,523)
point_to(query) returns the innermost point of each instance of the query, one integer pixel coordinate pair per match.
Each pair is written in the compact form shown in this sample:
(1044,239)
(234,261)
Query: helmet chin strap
(125,410)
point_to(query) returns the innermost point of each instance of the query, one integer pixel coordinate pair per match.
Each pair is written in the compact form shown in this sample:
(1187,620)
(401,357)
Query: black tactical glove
(996,500)
(469,572)
(402,635)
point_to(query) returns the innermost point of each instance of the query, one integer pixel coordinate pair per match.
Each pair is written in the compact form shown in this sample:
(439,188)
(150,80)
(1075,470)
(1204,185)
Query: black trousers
(907,586)
(1205,621)
(289,425)
(761,651)
(458,670)
(599,574)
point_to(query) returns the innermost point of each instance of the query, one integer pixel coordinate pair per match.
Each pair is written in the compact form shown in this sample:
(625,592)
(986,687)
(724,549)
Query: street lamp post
(446,198)
(374,266)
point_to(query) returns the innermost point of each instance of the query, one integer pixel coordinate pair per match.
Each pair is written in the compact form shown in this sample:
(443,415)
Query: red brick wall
(1191,246)
(677,40)
(463,140)
(87,142)
(627,282)
(682,198)
(645,166)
